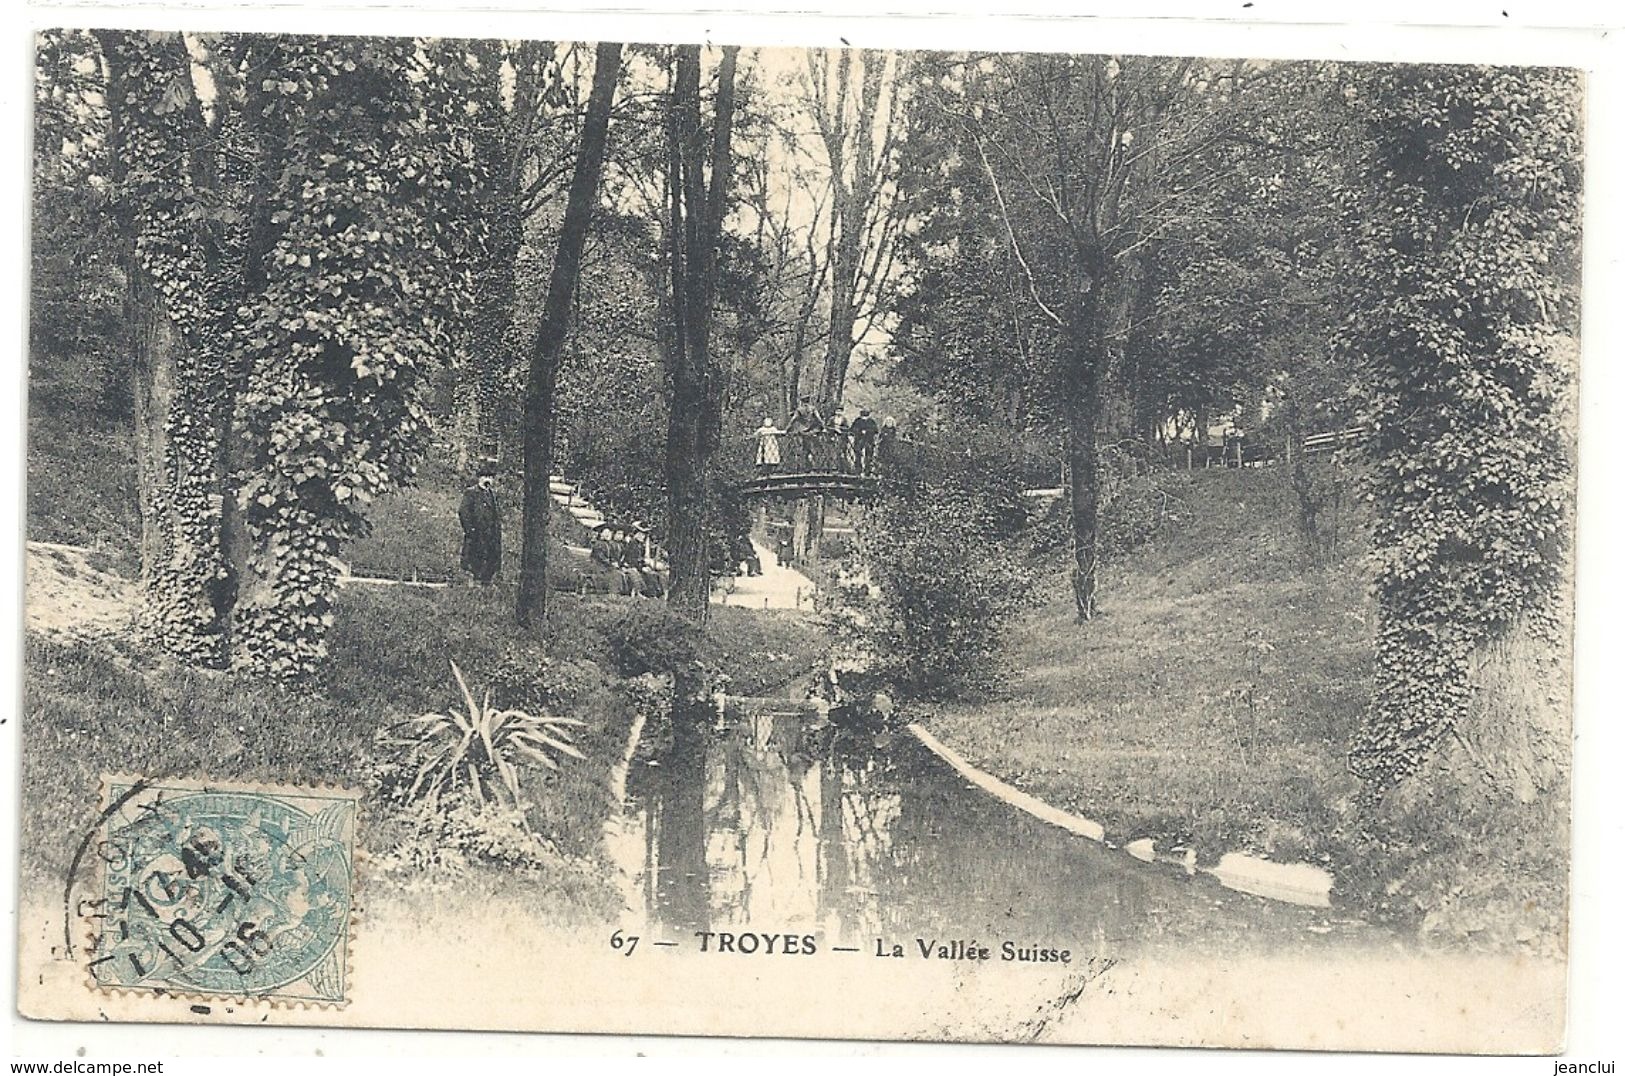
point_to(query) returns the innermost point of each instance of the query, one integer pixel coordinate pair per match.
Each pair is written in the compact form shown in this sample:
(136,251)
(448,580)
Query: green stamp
(226,890)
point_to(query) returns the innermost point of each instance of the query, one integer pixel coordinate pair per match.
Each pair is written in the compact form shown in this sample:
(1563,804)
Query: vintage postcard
(942,544)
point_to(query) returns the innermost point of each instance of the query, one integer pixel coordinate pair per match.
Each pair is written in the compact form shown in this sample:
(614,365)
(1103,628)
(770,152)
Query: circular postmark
(238,892)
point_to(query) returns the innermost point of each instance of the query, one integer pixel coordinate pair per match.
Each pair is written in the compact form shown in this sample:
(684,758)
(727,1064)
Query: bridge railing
(827,451)
(831,454)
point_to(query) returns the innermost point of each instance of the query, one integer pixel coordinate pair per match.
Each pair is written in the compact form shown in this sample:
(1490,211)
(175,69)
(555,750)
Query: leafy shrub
(471,851)
(463,846)
(948,582)
(650,638)
(442,839)
(519,679)
(481,747)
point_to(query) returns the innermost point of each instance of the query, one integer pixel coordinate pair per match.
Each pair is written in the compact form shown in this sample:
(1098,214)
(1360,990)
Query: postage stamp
(225,890)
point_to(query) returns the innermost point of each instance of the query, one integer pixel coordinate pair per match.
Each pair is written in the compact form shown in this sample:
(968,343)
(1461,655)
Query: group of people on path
(626,549)
(815,444)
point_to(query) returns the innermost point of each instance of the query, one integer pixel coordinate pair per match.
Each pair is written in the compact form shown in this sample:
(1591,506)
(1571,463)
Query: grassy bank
(93,708)
(1210,703)
(81,484)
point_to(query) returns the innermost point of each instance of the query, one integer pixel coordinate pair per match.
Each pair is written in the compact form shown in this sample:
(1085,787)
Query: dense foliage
(945,563)
(947,586)
(290,221)
(1463,309)
(181,260)
(351,318)
(650,638)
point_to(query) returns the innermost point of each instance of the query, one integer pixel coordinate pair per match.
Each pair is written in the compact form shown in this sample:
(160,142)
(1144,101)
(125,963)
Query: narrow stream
(773,820)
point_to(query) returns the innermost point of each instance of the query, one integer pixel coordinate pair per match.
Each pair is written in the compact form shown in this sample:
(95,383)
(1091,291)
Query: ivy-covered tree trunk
(1464,313)
(694,431)
(541,382)
(177,359)
(489,341)
(487,346)
(359,291)
(265,139)
(193,599)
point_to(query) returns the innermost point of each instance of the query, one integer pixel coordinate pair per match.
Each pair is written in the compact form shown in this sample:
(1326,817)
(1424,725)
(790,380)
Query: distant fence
(1318,443)
(1246,452)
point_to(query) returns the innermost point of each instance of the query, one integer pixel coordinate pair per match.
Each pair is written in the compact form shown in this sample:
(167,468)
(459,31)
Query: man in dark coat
(482,527)
(804,427)
(865,434)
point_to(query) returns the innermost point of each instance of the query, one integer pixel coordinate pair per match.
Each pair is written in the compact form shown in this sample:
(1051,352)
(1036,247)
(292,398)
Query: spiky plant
(481,747)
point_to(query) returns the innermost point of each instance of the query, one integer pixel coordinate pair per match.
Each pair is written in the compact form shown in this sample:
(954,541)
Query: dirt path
(778,587)
(67,598)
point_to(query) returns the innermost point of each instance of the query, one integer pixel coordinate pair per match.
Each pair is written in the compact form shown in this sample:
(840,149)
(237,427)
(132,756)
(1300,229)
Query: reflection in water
(676,867)
(772,820)
(779,822)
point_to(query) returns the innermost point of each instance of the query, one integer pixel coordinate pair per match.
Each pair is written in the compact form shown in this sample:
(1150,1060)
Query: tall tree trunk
(1516,727)
(152,371)
(695,426)
(842,315)
(489,340)
(1084,473)
(1084,373)
(177,366)
(854,182)
(542,377)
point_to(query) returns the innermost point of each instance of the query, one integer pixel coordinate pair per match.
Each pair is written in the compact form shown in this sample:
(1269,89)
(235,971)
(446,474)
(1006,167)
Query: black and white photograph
(832,541)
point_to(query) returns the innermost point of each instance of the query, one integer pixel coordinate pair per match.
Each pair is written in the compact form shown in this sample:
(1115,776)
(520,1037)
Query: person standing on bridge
(482,526)
(805,426)
(887,444)
(767,447)
(840,445)
(865,435)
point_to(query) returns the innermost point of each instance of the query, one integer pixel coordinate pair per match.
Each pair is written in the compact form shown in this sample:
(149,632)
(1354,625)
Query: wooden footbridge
(841,485)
